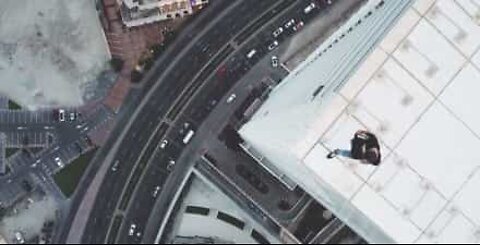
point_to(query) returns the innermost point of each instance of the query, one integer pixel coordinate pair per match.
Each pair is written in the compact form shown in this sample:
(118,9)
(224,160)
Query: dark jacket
(361,142)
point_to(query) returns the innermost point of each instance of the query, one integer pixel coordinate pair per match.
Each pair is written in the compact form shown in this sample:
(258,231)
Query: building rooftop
(416,89)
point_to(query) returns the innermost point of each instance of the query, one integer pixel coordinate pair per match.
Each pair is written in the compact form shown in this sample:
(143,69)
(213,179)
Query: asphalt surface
(154,110)
(201,53)
(216,122)
(134,164)
(41,139)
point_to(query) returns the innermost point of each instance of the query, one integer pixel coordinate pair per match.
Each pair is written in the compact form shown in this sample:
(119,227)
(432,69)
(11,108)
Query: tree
(136,76)
(117,64)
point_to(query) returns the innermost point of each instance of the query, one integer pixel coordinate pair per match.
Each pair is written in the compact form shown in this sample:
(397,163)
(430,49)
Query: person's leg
(338,152)
(344,153)
(332,154)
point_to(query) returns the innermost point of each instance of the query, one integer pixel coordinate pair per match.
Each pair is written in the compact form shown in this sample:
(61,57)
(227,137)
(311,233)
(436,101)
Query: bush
(117,64)
(136,76)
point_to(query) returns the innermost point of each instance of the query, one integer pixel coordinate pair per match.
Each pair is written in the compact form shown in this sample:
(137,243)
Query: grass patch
(10,151)
(13,106)
(69,177)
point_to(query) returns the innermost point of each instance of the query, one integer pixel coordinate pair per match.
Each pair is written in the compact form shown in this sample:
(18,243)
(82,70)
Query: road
(217,121)
(159,114)
(153,111)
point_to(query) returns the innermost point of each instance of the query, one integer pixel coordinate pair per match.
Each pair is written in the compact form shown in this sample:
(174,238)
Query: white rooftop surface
(418,91)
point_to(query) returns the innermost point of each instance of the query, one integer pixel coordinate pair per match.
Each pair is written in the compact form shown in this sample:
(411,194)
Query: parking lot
(26,117)
(66,154)
(18,139)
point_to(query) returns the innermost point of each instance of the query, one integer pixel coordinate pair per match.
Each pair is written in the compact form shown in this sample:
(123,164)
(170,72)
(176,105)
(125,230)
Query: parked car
(59,162)
(163,144)
(309,8)
(290,23)
(61,115)
(277,32)
(131,231)
(274,61)
(273,45)
(298,26)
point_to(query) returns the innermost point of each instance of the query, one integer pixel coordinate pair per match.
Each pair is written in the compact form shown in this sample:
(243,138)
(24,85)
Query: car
(188,136)
(211,105)
(132,229)
(61,115)
(59,162)
(73,116)
(274,61)
(251,53)
(163,144)
(171,164)
(231,98)
(277,32)
(115,166)
(34,165)
(298,26)
(309,8)
(156,191)
(273,45)
(290,23)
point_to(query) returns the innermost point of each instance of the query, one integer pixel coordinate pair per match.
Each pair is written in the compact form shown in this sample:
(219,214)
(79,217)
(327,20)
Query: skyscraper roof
(416,89)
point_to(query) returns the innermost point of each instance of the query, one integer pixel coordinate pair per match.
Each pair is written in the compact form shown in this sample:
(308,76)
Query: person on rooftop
(364,147)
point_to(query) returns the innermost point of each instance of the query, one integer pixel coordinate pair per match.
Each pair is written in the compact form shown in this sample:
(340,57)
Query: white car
(115,166)
(171,164)
(73,116)
(34,165)
(61,115)
(274,61)
(163,144)
(273,45)
(309,8)
(59,162)
(290,23)
(132,229)
(156,191)
(231,98)
(278,32)
(251,53)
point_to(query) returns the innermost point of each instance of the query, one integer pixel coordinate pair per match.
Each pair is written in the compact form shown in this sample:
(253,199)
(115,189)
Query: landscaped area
(12,105)
(10,151)
(69,177)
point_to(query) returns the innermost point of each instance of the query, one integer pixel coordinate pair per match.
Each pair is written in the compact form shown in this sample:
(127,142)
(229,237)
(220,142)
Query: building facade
(141,12)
